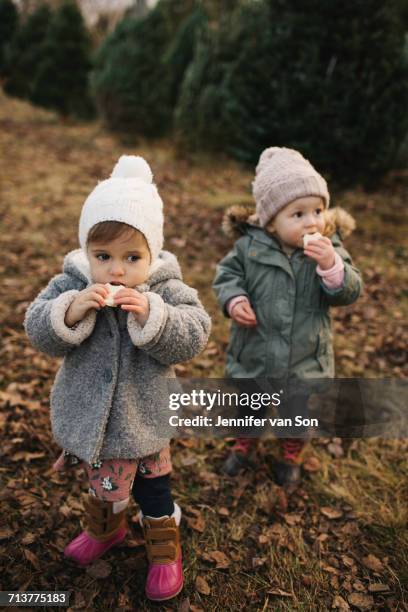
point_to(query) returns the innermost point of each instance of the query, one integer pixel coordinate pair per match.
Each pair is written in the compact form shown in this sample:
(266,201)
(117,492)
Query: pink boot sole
(84,549)
(164,581)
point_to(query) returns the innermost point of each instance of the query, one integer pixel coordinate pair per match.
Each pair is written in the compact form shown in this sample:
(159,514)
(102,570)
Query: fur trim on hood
(238,218)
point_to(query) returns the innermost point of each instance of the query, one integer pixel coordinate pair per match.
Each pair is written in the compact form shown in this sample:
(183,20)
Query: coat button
(107,375)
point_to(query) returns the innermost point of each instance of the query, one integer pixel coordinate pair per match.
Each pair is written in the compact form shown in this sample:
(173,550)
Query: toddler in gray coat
(121,316)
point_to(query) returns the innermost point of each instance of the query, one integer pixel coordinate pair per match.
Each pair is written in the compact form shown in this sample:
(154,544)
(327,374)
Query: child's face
(122,261)
(300,217)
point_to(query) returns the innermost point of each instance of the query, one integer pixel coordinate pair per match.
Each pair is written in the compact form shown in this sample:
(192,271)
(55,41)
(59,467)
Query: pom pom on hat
(276,152)
(132,166)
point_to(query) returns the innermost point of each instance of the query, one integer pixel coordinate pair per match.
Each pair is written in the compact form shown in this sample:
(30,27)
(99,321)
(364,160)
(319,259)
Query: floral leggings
(112,479)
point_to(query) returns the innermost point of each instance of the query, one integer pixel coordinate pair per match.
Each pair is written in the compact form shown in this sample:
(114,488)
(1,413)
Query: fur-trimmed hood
(239,218)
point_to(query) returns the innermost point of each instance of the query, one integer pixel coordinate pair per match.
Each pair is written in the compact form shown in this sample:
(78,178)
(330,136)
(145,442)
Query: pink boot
(165,574)
(103,529)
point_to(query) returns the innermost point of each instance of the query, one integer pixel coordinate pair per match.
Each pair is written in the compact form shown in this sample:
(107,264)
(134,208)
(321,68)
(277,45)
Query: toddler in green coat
(287,268)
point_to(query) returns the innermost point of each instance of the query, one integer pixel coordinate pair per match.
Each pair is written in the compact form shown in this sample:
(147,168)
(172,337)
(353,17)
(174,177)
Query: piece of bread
(113,289)
(308,237)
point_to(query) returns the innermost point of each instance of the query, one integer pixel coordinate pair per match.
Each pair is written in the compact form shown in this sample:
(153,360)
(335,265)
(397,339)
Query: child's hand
(91,297)
(322,251)
(133,301)
(243,314)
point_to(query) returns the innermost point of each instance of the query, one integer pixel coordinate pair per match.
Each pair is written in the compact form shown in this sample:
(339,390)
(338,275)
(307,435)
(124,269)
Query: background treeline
(328,78)
(46,58)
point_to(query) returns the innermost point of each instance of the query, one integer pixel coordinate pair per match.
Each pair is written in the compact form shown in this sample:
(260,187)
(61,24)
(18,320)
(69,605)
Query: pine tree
(26,52)
(61,79)
(326,78)
(8,27)
(180,53)
(139,68)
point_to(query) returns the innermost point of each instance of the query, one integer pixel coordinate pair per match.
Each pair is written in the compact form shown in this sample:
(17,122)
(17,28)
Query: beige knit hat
(283,175)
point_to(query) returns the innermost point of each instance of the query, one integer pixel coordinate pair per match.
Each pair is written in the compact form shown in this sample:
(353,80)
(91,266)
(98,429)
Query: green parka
(293,336)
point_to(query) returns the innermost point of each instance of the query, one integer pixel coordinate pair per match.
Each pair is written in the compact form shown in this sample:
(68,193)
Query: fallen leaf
(258,561)
(373,563)
(24,455)
(65,510)
(359,586)
(331,513)
(29,538)
(312,464)
(292,519)
(347,353)
(279,592)
(282,499)
(99,569)
(277,530)
(351,529)
(134,542)
(223,511)
(30,556)
(336,450)
(5,534)
(198,524)
(178,242)
(209,477)
(328,568)
(188,460)
(202,586)
(237,535)
(180,369)
(334,581)
(184,605)
(123,601)
(187,442)
(361,601)
(79,601)
(192,510)
(378,587)
(339,603)
(346,586)
(220,558)
(348,561)
(203,364)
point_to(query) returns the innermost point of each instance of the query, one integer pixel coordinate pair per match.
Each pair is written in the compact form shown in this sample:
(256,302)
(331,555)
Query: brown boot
(103,528)
(165,574)
(100,521)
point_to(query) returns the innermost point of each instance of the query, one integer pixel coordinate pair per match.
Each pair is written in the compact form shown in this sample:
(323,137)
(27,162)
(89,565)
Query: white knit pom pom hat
(129,196)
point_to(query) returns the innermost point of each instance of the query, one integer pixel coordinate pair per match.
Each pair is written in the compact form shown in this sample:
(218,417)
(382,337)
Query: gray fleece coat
(111,388)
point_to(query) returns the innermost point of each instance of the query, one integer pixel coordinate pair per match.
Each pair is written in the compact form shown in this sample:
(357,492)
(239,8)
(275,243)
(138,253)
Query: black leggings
(153,495)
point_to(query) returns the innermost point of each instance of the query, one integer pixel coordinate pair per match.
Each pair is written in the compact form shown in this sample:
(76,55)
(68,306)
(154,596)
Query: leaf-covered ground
(339,542)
